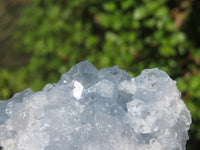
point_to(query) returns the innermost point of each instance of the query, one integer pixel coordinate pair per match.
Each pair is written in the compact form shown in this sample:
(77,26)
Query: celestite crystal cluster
(90,109)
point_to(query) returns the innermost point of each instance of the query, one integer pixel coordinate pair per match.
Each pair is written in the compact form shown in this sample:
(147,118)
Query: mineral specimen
(90,109)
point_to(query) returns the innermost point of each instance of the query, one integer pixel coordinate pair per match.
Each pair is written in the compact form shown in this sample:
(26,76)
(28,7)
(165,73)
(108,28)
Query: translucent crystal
(90,109)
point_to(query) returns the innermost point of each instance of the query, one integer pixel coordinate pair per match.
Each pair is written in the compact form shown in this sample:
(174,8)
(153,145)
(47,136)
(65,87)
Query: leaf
(109,6)
(162,12)
(167,51)
(139,13)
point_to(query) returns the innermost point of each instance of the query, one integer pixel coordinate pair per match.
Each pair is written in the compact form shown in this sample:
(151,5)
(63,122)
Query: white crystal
(77,90)
(104,88)
(128,86)
(90,109)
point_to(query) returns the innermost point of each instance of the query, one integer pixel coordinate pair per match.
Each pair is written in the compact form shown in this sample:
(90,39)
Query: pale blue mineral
(90,109)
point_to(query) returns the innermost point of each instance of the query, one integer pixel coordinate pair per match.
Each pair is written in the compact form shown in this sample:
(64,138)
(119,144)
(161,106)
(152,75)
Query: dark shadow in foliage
(191,28)
(193,23)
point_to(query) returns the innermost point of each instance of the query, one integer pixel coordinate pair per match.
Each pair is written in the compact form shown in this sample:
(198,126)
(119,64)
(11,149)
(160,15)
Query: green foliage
(132,34)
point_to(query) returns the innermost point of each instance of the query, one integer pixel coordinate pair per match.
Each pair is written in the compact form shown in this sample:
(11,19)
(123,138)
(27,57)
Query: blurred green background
(41,39)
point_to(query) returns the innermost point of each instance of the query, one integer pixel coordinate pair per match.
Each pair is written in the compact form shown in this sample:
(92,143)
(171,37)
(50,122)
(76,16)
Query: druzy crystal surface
(90,109)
